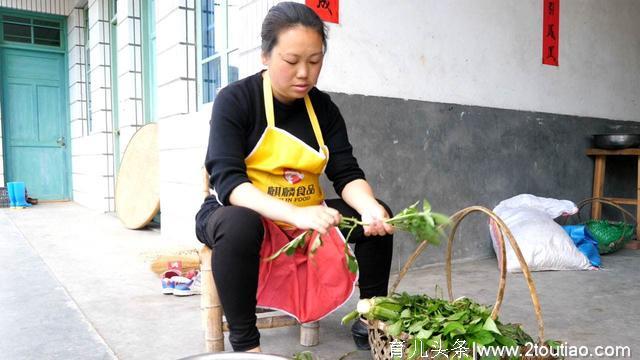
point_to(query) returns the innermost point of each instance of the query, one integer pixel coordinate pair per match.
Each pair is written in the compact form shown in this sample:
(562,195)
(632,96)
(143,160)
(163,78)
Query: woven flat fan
(138,183)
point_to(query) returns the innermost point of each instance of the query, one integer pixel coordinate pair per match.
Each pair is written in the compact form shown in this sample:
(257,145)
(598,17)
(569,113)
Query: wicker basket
(380,340)
(610,235)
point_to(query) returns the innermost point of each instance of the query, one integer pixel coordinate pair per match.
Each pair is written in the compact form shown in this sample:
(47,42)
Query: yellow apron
(305,285)
(284,166)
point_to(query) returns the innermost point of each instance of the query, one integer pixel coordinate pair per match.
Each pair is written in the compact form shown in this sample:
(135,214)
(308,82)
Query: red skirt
(304,285)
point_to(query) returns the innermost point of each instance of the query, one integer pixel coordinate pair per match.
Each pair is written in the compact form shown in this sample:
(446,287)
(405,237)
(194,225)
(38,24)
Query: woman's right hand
(318,217)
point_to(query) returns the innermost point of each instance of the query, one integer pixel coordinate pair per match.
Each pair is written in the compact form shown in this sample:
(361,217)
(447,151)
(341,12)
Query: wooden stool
(212,314)
(598,181)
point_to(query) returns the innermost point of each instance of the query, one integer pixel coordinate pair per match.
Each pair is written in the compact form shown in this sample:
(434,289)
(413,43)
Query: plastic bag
(584,242)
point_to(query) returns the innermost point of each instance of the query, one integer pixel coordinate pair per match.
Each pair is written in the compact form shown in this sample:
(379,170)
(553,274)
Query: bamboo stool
(213,321)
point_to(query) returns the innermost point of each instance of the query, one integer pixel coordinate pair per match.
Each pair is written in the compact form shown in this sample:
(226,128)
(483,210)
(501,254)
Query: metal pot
(616,141)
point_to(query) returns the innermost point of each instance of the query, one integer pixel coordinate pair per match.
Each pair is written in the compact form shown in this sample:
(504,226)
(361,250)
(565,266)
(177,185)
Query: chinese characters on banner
(550,32)
(326,9)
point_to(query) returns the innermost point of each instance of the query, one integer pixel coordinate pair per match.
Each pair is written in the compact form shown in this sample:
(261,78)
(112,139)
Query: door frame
(62,49)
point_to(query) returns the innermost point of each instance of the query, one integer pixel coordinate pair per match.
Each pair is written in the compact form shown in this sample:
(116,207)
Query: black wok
(616,141)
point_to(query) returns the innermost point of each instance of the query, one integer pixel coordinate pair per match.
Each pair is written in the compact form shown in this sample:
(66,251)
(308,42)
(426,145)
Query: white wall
(183,143)
(176,58)
(183,132)
(488,53)
(129,71)
(245,25)
(92,160)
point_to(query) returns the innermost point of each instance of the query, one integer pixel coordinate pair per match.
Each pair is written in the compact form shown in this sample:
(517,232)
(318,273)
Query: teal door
(34,122)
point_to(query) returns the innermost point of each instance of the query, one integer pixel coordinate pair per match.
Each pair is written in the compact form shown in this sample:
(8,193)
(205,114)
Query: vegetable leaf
(352,264)
(490,325)
(454,327)
(395,329)
(424,334)
(482,337)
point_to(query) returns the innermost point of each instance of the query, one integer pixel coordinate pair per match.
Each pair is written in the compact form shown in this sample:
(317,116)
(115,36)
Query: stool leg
(210,305)
(598,185)
(310,334)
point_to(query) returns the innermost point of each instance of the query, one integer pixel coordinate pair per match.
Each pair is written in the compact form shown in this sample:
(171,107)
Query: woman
(272,135)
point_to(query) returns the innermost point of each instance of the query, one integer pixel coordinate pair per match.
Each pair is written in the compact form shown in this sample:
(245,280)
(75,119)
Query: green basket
(610,235)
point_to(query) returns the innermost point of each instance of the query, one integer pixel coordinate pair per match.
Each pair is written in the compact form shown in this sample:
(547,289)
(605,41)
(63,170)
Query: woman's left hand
(375,215)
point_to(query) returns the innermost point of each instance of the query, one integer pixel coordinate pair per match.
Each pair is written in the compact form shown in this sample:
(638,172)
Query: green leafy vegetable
(436,323)
(290,248)
(490,325)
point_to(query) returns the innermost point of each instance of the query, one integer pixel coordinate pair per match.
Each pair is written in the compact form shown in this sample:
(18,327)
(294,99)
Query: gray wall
(457,156)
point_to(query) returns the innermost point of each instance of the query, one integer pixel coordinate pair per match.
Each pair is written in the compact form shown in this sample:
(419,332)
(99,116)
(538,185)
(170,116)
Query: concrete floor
(77,286)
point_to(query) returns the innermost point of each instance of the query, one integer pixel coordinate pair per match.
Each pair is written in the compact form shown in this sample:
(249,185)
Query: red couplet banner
(328,10)
(550,32)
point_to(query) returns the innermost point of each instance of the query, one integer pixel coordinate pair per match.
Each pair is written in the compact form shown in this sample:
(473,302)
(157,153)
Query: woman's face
(294,63)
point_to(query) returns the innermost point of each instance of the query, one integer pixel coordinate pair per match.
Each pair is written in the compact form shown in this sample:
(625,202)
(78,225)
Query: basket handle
(412,258)
(626,215)
(504,230)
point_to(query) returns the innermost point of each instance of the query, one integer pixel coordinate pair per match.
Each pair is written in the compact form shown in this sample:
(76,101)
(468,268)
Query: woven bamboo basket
(380,340)
(627,217)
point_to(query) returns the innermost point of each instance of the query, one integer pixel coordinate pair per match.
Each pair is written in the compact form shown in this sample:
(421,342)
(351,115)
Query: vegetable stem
(421,223)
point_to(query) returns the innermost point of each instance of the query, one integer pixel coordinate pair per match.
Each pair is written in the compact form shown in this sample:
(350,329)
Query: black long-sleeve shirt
(238,120)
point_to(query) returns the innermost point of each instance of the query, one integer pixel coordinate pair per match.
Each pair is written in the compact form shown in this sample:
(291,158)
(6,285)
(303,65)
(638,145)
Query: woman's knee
(236,223)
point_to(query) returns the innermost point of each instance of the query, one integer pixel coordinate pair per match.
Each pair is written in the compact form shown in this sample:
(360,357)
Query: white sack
(543,243)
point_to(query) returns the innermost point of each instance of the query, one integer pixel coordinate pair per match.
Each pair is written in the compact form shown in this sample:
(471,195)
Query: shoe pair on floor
(181,285)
